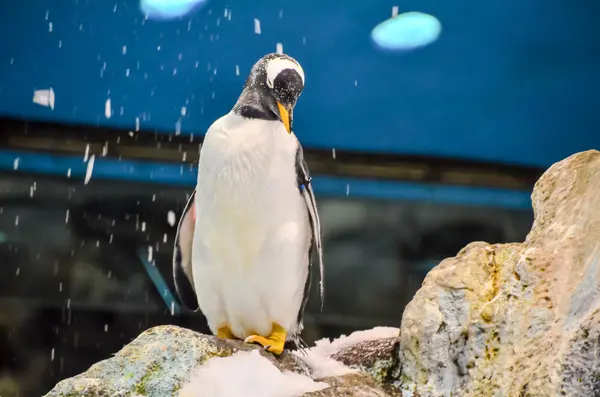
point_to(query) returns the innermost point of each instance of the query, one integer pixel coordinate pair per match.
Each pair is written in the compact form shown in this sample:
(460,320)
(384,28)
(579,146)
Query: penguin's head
(275,81)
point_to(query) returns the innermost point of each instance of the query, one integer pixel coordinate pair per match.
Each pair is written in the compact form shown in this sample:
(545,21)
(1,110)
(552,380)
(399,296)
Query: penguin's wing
(316,249)
(182,257)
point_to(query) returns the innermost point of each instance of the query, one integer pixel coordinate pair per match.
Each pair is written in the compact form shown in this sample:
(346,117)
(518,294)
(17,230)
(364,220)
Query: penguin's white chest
(252,233)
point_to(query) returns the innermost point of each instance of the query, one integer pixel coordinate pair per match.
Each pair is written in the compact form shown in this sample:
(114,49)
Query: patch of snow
(318,358)
(323,366)
(246,374)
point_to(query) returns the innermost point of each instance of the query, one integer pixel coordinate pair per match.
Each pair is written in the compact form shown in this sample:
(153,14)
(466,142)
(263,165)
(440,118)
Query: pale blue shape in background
(406,31)
(169,9)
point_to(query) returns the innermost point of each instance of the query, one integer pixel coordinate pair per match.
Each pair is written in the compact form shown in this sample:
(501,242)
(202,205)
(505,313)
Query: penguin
(248,235)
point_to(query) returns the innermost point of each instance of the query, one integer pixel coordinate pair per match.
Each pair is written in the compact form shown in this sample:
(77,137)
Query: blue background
(509,81)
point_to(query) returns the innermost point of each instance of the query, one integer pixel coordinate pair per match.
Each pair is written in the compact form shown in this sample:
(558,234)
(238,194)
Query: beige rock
(521,319)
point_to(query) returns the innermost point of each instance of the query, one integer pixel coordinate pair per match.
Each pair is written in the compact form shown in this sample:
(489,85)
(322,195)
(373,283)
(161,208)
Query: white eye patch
(275,66)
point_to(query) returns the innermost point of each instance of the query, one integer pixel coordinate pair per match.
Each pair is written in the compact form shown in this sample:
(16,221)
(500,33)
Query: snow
(107,109)
(89,169)
(319,360)
(246,374)
(44,97)
(256,26)
(171,218)
(249,374)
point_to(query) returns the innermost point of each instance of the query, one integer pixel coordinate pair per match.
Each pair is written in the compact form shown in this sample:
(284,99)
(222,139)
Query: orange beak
(285,117)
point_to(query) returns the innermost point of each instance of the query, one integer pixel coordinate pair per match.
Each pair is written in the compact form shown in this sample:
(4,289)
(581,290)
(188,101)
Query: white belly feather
(252,233)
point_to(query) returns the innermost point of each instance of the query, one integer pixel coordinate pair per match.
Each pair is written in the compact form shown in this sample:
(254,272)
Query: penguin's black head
(272,89)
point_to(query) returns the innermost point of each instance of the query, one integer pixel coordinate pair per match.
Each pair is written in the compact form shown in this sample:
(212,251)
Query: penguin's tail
(297,344)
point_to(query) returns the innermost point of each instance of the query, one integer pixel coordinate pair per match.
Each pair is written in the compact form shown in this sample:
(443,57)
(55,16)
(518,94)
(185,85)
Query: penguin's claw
(224,332)
(273,343)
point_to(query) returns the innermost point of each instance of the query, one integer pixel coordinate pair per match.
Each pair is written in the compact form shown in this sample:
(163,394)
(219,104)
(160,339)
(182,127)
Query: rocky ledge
(497,320)
(173,361)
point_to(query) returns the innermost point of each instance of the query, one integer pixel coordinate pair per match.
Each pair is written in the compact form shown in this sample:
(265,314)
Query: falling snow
(171,218)
(89,169)
(44,97)
(256,26)
(107,109)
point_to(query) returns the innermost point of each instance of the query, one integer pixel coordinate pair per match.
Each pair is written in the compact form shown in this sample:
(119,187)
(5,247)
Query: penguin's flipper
(182,257)
(316,249)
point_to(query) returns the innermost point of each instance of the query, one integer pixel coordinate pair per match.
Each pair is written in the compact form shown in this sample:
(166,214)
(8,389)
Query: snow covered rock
(172,361)
(520,319)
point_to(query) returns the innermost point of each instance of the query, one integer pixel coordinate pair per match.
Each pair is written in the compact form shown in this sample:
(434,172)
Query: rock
(160,362)
(352,385)
(520,319)
(378,358)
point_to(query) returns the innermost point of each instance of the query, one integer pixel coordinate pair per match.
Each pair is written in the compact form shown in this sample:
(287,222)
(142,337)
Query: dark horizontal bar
(147,145)
(178,175)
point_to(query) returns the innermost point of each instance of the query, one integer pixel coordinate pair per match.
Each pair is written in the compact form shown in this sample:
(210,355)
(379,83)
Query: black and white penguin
(249,231)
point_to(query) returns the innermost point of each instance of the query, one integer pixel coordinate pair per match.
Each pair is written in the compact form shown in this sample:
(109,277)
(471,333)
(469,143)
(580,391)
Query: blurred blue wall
(509,81)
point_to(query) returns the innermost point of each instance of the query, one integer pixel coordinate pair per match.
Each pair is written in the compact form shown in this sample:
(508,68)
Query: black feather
(305,187)
(183,285)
